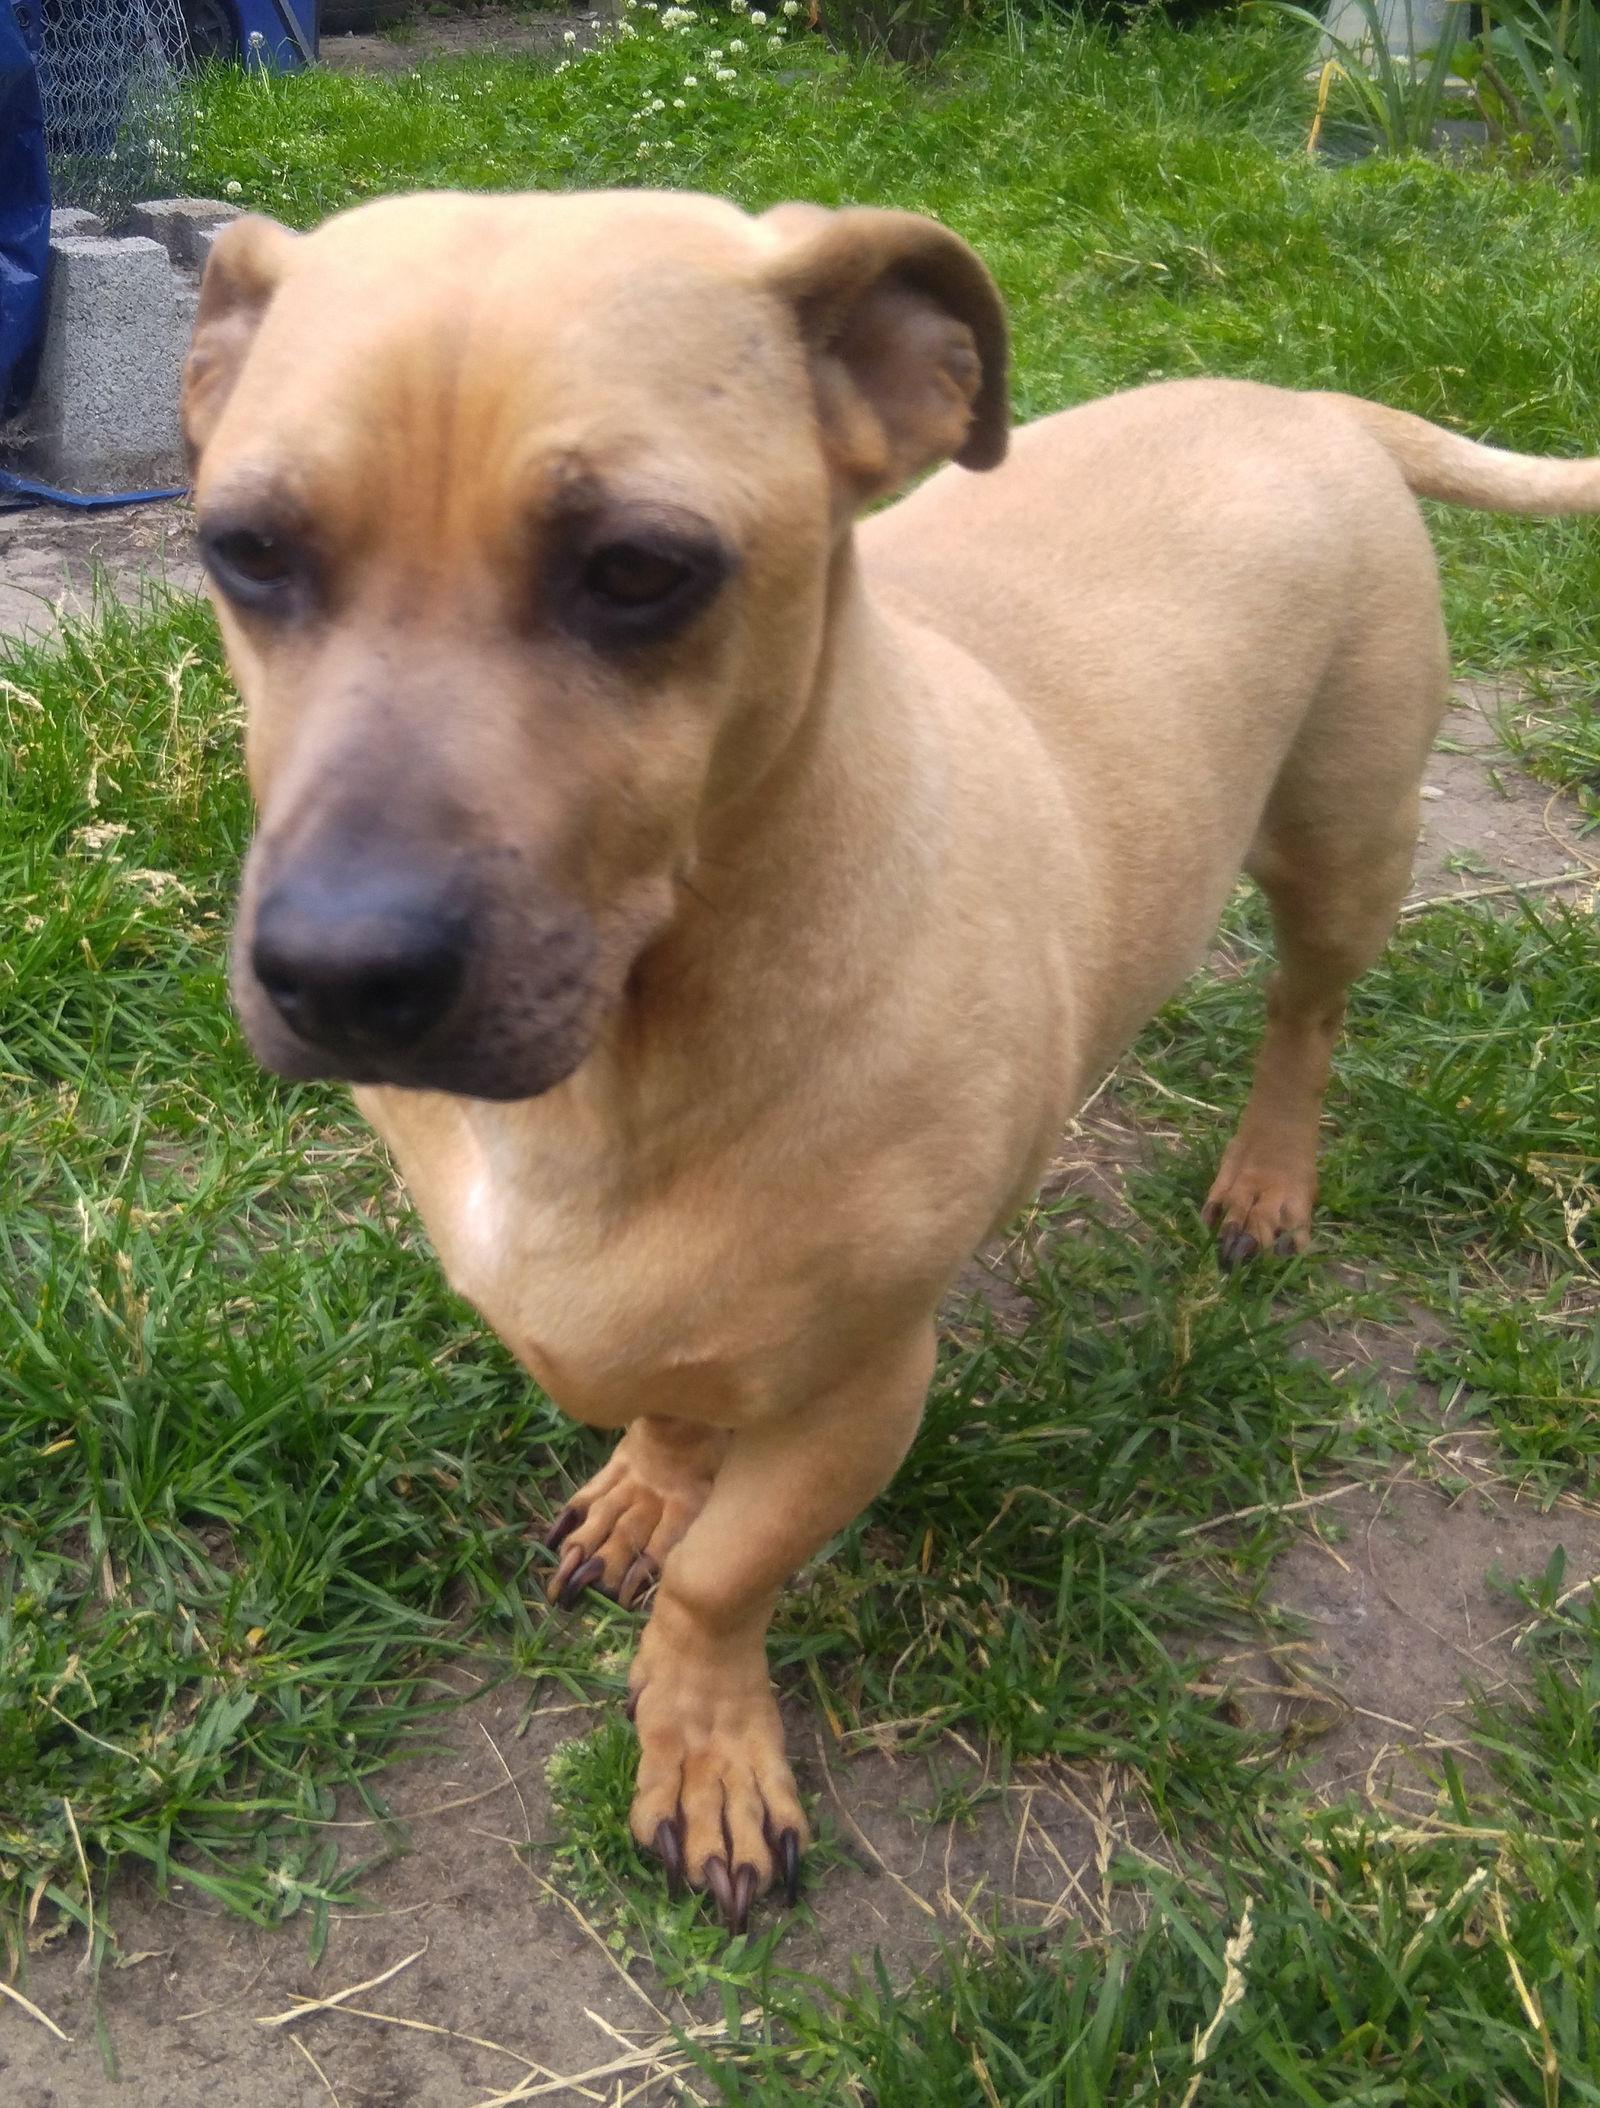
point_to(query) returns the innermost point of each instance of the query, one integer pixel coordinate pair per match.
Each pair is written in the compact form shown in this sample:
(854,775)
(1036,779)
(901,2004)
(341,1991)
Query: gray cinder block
(183,226)
(104,414)
(74,219)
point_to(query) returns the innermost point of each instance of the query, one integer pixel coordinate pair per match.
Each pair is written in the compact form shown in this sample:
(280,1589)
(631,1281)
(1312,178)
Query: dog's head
(522,517)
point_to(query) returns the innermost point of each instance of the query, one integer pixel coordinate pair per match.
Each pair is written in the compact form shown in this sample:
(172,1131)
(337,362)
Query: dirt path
(52,560)
(486,29)
(1484,822)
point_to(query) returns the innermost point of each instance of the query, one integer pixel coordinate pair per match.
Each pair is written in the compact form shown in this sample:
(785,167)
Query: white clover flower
(726,73)
(569,36)
(691,80)
(775,43)
(562,67)
(757,19)
(736,47)
(678,103)
(791,8)
(234,189)
(713,54)
(656,103)
(642,151)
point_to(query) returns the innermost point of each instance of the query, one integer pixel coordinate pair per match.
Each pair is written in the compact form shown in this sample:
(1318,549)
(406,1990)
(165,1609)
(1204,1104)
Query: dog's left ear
(906,337)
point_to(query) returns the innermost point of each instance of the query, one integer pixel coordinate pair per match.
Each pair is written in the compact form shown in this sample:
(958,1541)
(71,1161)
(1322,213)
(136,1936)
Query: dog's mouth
(376,977)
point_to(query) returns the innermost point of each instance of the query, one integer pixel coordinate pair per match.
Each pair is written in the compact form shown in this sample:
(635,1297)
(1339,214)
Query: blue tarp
(24,211)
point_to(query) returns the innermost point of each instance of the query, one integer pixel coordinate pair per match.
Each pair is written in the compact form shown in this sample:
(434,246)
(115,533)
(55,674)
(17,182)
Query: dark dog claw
(564,1525)
(789,1866)
(630,1705)
(744,1894)
(1283,1244)
(1235,1247)
(720,1883)
(669,1850)
(579,1579)
(636,1580)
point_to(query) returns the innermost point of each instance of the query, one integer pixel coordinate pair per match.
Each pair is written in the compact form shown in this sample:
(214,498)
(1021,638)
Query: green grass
(264,1477)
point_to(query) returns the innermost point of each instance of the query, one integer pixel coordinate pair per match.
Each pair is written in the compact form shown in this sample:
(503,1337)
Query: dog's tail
(1440,464)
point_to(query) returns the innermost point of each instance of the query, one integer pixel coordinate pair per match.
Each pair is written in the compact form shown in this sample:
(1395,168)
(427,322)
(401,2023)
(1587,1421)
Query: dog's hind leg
(617,1529)
(1333,856)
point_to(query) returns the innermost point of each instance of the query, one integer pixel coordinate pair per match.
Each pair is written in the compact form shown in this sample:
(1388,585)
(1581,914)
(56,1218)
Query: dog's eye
(250,566)
(628,575)
(628,584)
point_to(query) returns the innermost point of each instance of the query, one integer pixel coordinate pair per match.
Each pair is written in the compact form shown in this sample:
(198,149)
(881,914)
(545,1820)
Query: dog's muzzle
(399,974)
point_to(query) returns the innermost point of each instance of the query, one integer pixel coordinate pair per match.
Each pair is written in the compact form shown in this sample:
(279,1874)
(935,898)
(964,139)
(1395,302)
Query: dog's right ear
(246,265)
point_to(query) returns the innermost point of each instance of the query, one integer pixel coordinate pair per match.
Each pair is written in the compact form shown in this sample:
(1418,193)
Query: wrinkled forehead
(510,350)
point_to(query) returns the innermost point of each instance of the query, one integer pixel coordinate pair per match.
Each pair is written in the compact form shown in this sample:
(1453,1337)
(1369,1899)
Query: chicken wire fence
(115,116)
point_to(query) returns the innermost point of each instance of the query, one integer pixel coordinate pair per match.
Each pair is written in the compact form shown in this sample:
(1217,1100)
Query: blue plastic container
(279,35)
(24,205)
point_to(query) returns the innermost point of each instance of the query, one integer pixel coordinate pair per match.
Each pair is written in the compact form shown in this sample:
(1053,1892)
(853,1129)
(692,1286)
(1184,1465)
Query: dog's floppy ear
(906,337)
(247,261)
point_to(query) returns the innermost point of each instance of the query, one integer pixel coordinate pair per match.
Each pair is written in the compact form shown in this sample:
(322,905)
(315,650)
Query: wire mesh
(115,116)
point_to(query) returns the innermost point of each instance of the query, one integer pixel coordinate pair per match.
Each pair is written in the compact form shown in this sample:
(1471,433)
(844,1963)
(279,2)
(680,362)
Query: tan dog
(723,909)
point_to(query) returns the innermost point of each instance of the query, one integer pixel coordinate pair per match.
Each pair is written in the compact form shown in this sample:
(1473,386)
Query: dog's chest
(618,1305)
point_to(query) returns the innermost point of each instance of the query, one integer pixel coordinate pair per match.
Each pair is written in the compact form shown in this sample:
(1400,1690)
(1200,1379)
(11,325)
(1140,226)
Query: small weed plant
(1535,73)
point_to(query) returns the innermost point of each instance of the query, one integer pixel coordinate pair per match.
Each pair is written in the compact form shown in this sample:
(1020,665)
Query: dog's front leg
(716,1798)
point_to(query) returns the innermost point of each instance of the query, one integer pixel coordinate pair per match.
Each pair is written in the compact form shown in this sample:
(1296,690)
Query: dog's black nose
(362,971)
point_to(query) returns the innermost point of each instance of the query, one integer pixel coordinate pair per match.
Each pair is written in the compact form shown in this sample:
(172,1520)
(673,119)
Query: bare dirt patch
(506,1984)
(1405,1592)
(1484,823)
(53,562)
(419,37)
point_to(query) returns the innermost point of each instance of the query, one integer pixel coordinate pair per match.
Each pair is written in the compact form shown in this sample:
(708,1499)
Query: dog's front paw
(615,1531)
(1259,1203)
(716,1800)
